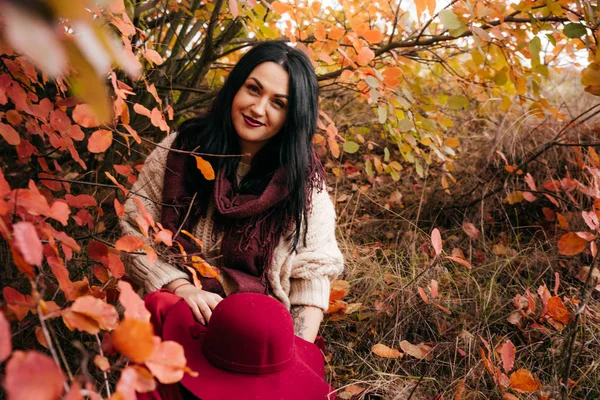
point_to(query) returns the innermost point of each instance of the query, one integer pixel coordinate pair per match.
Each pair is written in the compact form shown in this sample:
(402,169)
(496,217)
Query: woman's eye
(279,103)
(253,88)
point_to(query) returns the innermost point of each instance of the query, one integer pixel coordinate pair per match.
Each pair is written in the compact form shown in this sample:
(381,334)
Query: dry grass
(388,256)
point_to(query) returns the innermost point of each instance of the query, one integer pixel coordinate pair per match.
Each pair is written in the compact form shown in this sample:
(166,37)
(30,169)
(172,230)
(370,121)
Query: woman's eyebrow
(260,85)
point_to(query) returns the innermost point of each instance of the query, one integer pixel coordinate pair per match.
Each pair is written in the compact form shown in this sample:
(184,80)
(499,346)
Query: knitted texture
(296,278)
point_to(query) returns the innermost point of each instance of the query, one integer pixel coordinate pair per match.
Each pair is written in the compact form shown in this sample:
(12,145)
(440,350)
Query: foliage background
(461,151)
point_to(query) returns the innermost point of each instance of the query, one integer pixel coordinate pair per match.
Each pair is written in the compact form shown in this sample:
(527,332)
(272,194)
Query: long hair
(290,148)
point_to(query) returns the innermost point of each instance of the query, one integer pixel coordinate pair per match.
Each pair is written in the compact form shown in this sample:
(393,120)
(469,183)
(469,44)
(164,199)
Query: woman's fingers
(204,309)
(213,301)
(196,311)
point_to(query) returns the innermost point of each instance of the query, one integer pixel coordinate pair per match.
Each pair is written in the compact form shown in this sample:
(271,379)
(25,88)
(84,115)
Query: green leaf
(458,102)
(450,20)
(535,46)
(351,147)
(574,31)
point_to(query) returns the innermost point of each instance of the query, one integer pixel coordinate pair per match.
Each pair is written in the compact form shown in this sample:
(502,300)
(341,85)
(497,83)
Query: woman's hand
(200,301)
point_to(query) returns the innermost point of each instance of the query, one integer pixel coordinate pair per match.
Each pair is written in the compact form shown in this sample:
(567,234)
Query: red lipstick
(252,122)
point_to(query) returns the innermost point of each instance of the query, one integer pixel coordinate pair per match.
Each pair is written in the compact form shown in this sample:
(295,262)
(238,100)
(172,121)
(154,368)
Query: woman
(265,220)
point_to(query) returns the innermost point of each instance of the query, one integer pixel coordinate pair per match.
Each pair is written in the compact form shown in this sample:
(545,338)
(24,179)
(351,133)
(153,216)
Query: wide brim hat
(302,378)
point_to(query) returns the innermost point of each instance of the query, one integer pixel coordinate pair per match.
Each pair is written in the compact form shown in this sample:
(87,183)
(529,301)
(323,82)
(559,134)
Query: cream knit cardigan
(301,277)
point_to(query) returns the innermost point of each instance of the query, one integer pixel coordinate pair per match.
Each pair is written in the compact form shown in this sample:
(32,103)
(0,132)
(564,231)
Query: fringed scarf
(252,225)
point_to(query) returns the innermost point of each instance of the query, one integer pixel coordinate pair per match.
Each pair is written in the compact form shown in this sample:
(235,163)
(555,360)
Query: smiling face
(259,108)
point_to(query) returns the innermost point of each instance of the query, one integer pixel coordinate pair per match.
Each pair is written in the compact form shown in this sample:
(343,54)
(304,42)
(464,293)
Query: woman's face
(260,106)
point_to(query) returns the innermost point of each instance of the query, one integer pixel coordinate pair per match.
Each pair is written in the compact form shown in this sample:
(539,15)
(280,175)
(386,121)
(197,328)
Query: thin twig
(186,216)
(104,372)
(49,341)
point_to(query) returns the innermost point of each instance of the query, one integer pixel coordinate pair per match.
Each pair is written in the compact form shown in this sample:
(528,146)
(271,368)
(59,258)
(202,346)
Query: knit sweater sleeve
(148,188)
(319,260)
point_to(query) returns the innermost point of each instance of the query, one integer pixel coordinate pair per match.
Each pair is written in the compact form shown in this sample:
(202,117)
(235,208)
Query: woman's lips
(252,122)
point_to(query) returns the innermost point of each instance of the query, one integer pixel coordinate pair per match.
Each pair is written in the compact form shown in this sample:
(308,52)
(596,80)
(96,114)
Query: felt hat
(248,351)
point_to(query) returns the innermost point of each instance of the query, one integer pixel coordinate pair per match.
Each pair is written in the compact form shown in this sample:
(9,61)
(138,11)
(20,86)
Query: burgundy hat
(248,351)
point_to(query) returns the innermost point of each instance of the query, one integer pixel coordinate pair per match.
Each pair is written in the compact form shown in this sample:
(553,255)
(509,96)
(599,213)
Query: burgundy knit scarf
(252,225)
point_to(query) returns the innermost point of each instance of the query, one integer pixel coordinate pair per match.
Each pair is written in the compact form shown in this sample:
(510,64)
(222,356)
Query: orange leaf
(168,362)
(204,268)
(204,166)
(373,36)
(507,354)
(339,289)
(81,201)
(134,338)
(153,56)
(524,381)
(41,338)
(119,208)
(335,306)
(384,351)
(133,304)
(140,109)
(33,375)
(101,362)
(27,241)
(571,244)
(557,310)
(85,116)
(100,141)
(129,243)
(364,57)
(423,294)
(5,338)
(419,351)
(436,241)
(91,314)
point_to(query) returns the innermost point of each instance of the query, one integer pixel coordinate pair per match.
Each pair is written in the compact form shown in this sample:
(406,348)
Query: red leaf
(423,295)
(436,241)
(364,57)
(101,273)
(129,243)
(85,116)
(27,241)
(22,368)
(123,169)
(9,134)
(507,353)
(5,338)
(471,230)
(168,362)
(165,236)
(119,208)
(61,274)
(60,210)
(233,8)
(133,304)
(571,244)
(100,141)
(81,201)
(97,250)
(115,265)
(16,302)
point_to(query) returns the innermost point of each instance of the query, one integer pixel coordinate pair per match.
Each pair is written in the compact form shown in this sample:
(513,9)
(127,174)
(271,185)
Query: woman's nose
(260,106)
